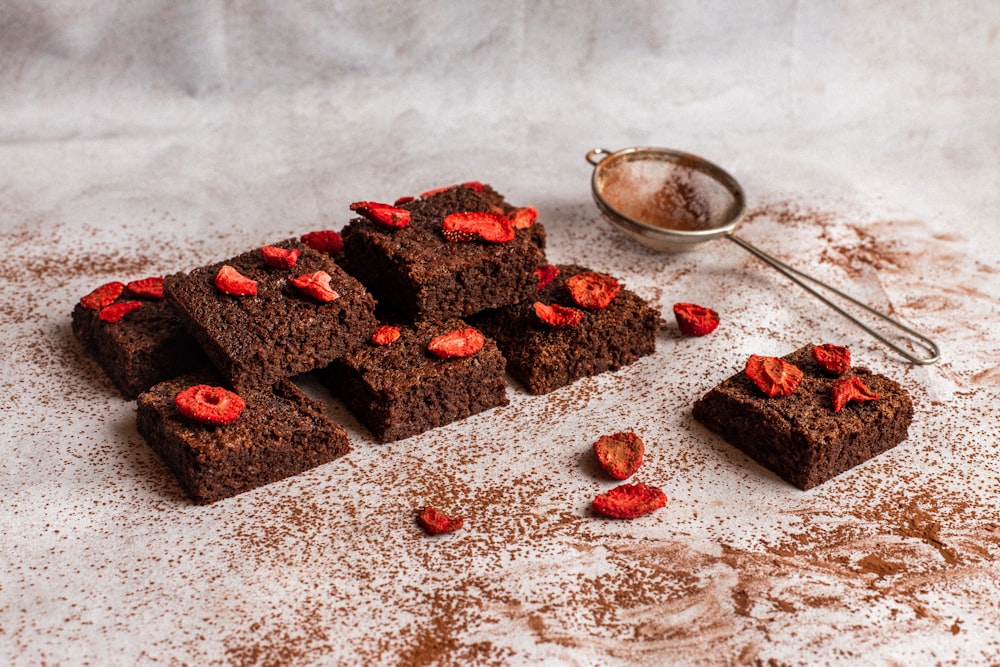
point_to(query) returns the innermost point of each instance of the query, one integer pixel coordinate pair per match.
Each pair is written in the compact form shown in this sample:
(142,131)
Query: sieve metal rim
(682,159)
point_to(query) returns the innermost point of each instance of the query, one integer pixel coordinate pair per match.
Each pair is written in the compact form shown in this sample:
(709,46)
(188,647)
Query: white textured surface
(150,136)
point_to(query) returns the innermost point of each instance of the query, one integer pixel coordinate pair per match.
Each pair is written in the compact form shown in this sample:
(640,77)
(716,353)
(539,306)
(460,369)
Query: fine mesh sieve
(673,201)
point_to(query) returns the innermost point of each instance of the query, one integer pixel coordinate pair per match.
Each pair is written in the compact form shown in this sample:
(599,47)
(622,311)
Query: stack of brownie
(398,369)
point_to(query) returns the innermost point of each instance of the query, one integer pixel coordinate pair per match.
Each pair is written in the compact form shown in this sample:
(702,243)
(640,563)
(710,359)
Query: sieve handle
(802,280)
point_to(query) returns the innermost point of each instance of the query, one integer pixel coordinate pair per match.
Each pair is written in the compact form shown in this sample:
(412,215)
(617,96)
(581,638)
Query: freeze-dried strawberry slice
(147,288)
(629,501)
(231,281)
(116,311)
(620,454)
(851,388)
(773,376)
(834,358)
(523,217)
(695,320)
(279,258)
(558,317)
(472,185)
(459,343)
(436,523)
(546,274)
(324,240)
(209,405)
(385,335)
(316,285)
(592,290)
(386,215)
(104,295)
(468,226)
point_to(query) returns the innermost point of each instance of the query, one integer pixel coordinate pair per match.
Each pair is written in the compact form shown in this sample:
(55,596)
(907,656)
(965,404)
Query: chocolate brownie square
(544,358)
(800,437)
(416,272)
(280,432)
(400,389)
(147,345)
(279,332)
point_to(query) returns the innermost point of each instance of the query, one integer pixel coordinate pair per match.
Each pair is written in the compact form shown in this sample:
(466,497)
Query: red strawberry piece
(116,311)
(279,258)
(405,199)
(104,295)
(523,217)
(209,405)
(325,240)
(556,316)
(467,226)
(620,454)
(385,335)
(773,376)
(231,281)
(834,358)
(851,388)
(147,288)
(436,523)
(546,274)
(458,343)
(629,501)
(695,320)
(386,215)
(592,290)
(316,285)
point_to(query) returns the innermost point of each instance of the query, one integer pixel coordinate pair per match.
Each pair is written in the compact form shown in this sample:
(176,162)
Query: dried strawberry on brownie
(134,335)
(450,252)
(273,312)
(219,443)
(411,378)
(808,416)
(581,323)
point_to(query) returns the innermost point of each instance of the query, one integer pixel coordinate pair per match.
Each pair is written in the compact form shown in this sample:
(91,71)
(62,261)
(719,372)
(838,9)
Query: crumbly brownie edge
(133,369)
(257,353)
(805,455)
(544,360)
(313,442)
(393,406)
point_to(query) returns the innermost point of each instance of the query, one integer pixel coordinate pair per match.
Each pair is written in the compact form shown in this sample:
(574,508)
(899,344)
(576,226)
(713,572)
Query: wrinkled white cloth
(151,136)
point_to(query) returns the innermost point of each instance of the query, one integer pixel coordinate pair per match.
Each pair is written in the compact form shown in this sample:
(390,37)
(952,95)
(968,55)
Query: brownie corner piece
(799,437)
(281,432)
(280,331)
(401,389)
(544,358)
(147,345)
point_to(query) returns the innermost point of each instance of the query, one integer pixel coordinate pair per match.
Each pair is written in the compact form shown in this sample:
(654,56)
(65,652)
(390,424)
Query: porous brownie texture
(148,345)
(543,358)
(400,389)
(799,437)
(254,341)
(416,273)
(281,432)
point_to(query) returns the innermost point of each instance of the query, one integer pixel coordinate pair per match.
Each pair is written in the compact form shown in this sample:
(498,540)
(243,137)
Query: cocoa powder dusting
(330,566)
